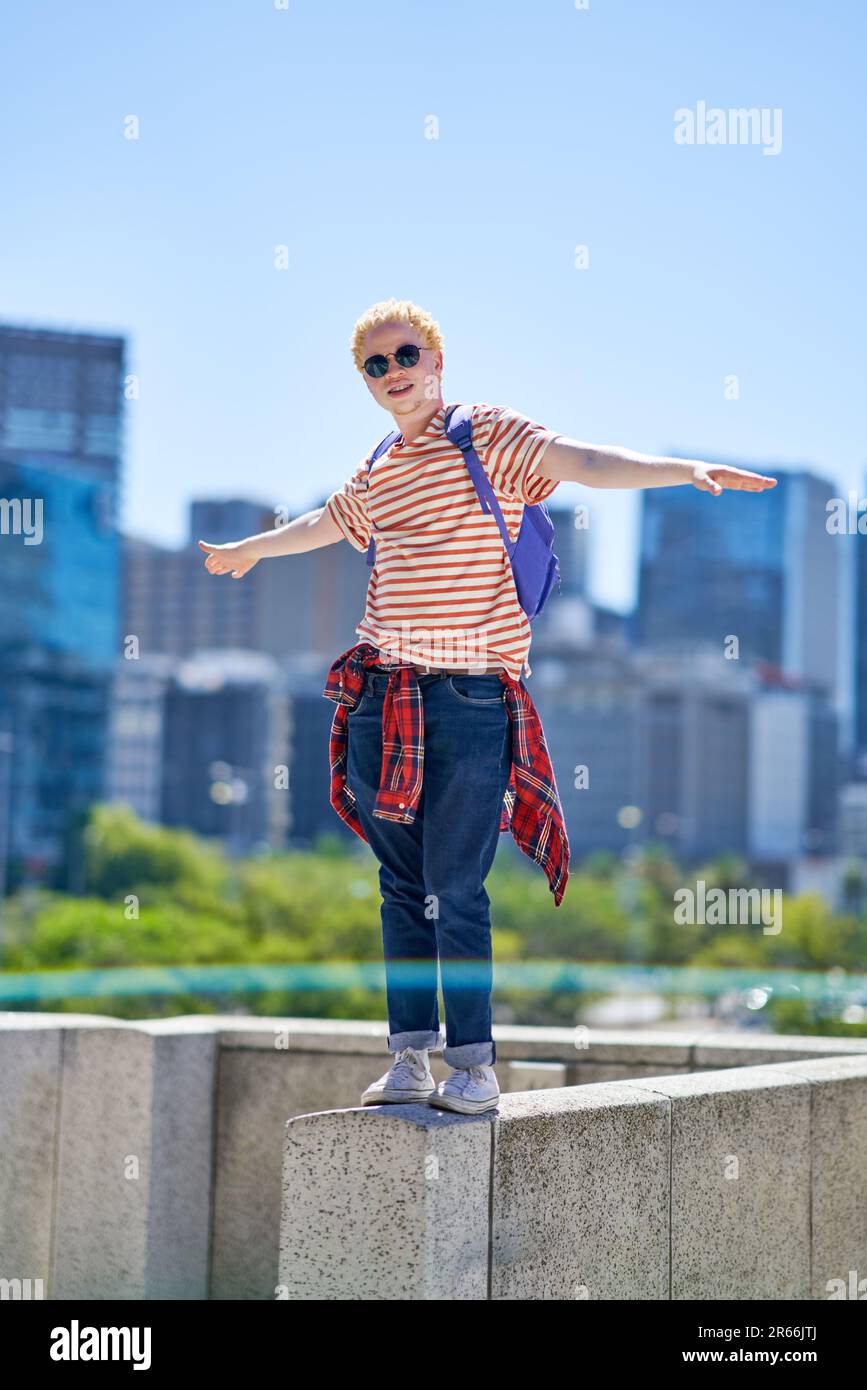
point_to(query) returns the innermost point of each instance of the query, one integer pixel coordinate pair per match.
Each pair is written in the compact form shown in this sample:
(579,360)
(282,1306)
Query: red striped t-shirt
(441,592)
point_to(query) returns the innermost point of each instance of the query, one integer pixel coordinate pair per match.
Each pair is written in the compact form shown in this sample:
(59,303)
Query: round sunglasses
(406,356)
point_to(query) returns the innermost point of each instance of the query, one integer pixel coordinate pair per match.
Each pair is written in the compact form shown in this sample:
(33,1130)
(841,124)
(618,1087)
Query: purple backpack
(534,564)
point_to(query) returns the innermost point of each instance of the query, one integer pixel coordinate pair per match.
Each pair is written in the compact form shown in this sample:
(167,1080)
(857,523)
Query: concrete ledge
(145,1160)
(746,1183)
(745,1049)
(582,1047)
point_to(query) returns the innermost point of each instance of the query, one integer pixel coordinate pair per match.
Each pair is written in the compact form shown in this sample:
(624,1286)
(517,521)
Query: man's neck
(417,421)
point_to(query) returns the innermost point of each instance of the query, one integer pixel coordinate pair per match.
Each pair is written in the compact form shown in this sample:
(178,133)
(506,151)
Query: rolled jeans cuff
(419,1041)
(471,1055)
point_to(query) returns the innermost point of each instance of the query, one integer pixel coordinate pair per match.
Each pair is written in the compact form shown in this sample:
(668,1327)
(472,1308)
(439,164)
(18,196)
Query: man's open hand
(716,478)
(235,558)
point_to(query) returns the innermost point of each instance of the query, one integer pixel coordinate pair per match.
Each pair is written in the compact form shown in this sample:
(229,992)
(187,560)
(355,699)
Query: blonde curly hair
(394,311)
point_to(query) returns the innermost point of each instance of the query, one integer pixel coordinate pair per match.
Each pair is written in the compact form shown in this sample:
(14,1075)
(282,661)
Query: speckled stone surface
(745,1235)
(182,1153)
(29,1093)
(839,1170)
(258,1090)
(134,1095)
(386,1202)
(580,1195)
(101,1216)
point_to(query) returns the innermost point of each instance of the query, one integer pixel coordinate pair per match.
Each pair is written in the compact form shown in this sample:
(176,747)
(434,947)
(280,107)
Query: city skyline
(146,679)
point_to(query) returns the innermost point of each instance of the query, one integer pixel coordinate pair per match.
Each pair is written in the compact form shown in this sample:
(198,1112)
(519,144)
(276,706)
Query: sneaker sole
(395,1097)
(465,1107)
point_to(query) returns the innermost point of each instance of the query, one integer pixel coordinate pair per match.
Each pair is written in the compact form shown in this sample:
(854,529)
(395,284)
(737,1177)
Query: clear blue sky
(305,126)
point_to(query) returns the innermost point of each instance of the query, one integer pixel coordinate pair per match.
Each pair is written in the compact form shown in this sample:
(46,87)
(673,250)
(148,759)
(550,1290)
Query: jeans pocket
(477,690)
(364,700)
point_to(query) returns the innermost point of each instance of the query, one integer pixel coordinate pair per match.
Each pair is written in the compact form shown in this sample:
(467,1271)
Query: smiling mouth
(400,390)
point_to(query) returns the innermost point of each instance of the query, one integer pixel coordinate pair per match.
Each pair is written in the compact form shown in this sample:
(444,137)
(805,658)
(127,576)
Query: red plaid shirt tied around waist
(531,805)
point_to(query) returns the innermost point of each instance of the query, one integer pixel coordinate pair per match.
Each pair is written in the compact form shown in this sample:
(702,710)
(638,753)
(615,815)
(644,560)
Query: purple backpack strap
(458,426)
(460,431)
(380,449)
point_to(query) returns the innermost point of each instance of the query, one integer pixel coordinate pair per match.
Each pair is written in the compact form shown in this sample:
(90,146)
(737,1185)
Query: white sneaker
(468,1089)
(407,1079)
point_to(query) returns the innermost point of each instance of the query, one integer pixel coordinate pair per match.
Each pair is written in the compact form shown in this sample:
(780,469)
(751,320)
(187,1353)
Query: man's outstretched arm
(608,465)
(307,532)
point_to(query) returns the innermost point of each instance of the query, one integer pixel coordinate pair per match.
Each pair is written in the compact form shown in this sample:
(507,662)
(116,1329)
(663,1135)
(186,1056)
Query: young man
(436,746)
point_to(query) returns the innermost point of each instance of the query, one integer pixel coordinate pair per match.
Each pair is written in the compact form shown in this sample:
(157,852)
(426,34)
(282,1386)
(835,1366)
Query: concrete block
(29,1096)
(581,1195)
(134,1162)
(259,1089)
(740,1184)
(386,1202)
(838,1094)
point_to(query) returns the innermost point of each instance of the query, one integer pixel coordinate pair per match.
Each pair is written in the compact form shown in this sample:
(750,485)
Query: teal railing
(43,985)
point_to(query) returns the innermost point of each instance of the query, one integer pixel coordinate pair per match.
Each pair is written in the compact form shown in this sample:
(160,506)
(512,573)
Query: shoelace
(408,1065)
(462,1075)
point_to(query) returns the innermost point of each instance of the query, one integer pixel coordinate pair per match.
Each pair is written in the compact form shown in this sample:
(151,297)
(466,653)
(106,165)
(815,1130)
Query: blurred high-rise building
(571,539)
(306,603)
(171,720)
(61,436)
(761,567)
(225,746)
(61,441)
(570,617)
(794,773)
(638,741)
(135,752)
(858,635)
(703,755)
(310,811)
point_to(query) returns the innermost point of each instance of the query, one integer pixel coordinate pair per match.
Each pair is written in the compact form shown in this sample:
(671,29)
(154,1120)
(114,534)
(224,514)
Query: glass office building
(61,438)
(761,567)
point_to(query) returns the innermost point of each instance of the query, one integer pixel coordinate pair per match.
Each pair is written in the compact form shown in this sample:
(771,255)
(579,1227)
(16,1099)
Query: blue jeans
(432,873)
